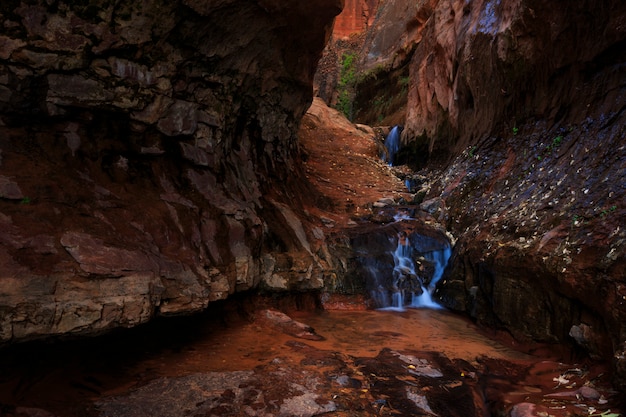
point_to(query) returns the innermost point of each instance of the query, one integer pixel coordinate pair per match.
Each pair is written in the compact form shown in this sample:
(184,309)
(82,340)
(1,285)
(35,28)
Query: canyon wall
(521,102)
(148,158)
(356,16)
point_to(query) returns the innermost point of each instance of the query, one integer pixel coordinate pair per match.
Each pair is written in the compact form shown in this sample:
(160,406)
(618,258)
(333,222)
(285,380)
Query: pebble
(523,410)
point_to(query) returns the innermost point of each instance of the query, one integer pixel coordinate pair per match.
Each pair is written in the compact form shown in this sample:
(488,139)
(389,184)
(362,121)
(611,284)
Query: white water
(402,215)
(405,267)
(392,143)
(440,260)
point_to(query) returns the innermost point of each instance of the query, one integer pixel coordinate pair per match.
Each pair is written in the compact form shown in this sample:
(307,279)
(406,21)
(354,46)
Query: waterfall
(440,260)
(408,288)
(392,144)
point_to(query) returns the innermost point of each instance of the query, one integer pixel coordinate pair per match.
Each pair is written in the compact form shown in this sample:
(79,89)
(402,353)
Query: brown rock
(92,97)
(76,90)
(97,258)
(356,16)
(523,410)
(526,180)
(179,119)
(8,45)
(287,325)
(9,189)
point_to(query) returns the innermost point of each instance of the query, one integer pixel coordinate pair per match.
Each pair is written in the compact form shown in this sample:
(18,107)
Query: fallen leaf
(561,380)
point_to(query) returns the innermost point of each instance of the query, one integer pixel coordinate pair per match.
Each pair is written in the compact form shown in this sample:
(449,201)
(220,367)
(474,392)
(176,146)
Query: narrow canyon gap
(152,160)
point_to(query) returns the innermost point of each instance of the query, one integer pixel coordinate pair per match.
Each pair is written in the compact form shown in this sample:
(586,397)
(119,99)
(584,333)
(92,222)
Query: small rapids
(410,287)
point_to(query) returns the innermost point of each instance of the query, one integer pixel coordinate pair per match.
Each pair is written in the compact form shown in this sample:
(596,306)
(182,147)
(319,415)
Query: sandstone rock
(131,71)
(8,45)
(154,110)
(355,17)
(138,223)
(97,258)
(32,412)
(587,338)
(523,410)
(180,119)
(286,324)
(195,392)
(386,201)
(50,305)
(302,389)
(76,90)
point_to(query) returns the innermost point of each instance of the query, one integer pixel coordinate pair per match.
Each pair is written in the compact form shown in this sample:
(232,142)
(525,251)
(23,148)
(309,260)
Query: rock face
(355,17)
(147,153)
(523,103)
(476,68)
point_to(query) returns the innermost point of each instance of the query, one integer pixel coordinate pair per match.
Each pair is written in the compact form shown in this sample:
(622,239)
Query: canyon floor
(284,356)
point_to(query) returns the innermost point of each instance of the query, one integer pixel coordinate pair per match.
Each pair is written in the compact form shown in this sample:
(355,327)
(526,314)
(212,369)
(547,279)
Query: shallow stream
(66,378)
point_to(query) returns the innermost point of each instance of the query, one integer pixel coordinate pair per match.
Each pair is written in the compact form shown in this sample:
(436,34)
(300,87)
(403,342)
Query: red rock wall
(357,15)
(146,150)
(521,102)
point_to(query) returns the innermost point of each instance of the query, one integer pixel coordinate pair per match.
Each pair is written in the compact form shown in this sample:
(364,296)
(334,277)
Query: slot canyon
(323,208)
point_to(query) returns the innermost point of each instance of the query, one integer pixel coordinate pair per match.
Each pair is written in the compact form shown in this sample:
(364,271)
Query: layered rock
(356,16)
(535,197)
(148,152)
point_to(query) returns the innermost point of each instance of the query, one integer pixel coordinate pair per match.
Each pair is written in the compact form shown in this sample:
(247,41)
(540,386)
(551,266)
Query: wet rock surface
(373,266)
(367,363)
(392,383)
(541,247)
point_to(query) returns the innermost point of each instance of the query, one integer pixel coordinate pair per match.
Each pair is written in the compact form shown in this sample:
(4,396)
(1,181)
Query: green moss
(347,81)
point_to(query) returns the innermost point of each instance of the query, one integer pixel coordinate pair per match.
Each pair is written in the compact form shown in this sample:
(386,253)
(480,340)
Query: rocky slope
(149,157)
(522,104)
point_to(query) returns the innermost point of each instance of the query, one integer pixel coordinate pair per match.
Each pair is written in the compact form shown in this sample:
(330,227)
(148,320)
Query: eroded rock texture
(523,102)
(356,16)
(488,66)
(147,155)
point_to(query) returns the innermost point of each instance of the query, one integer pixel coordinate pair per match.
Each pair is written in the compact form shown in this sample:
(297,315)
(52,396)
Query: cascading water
(440,260)
(419,259)
(403,286)
(409,287)
(392,144)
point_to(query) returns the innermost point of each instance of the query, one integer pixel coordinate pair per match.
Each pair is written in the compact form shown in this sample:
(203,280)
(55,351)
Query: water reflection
(360,333)
(67,378)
